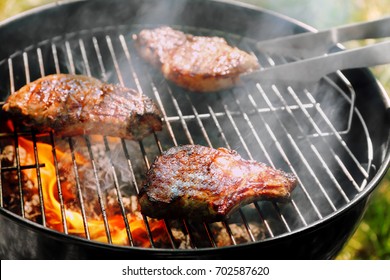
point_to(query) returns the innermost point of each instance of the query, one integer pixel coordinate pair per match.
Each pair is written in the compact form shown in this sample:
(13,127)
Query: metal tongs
(311,51)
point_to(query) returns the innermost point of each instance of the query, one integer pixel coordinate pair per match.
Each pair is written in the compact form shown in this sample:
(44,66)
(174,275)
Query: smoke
(160,12)
(102,165)
(319,14)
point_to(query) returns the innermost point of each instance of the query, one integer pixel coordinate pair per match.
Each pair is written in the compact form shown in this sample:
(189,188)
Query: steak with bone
(75,104)
(197,63)
(201,183)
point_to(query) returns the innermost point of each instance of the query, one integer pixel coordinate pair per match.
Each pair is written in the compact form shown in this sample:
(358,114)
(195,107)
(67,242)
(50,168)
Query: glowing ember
(74,218)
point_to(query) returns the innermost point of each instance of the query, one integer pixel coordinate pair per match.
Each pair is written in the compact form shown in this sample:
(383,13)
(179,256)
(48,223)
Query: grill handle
(303,72)
(311,44)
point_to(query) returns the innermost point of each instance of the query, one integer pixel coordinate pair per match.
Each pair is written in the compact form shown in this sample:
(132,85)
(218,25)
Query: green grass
(372,238)
(12,7)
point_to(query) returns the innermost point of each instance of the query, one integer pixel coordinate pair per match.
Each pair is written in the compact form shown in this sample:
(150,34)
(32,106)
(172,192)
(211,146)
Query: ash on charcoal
(11,188)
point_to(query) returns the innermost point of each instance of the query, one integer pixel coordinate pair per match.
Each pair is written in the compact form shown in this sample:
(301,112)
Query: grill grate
(298,131)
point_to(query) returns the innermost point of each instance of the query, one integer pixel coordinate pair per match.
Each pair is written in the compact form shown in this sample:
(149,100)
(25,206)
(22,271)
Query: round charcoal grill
(334,138)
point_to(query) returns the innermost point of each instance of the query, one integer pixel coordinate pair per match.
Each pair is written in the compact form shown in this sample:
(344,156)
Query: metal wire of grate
(298,131)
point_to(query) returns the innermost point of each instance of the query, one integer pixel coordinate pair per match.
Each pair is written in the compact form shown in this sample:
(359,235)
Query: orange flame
(74,219)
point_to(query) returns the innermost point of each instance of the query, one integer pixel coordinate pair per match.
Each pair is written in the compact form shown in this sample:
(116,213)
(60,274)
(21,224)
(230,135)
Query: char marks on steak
(198,63)
(75,104)
(201,183)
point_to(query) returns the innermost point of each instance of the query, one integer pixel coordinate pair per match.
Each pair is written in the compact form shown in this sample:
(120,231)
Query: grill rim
(7,23)
(220,252)
(362,197)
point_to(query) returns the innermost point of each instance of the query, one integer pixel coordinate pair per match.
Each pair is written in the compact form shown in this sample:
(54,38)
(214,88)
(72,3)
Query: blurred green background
(372,238)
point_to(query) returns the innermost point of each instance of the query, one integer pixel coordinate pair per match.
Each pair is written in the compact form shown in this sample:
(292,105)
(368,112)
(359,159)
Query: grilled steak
(201,183)
(197,63)
(74,104)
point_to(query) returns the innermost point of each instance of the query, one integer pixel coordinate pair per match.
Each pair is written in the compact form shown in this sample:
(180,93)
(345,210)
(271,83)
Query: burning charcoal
(11,188)
(183,240)
(238,231)
(8,156)
(113,206)
(241,234)
(31,208)
(131,204)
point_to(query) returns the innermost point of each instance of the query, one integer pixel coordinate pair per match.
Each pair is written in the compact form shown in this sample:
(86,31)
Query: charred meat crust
(75,104)
(197,63)
(201,183)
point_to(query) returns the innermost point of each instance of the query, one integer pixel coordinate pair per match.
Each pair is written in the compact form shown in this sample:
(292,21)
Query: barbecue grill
(334,138)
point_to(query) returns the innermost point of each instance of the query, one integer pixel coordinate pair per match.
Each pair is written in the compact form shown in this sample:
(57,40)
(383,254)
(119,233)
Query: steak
(201,183)
(197,63)
(73,105)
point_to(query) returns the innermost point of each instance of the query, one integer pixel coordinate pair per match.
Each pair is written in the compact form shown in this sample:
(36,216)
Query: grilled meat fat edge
(206,184)
(73,105)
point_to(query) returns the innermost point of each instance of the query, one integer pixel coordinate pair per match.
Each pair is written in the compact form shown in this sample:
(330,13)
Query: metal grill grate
(298,131)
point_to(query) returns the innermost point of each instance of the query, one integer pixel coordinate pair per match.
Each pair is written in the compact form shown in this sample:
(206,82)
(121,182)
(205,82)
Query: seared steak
(197,63)
(201,183)
(74,104)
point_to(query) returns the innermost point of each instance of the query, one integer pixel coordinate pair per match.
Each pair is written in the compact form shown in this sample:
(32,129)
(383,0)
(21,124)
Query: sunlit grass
(12,7)
(372,238)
